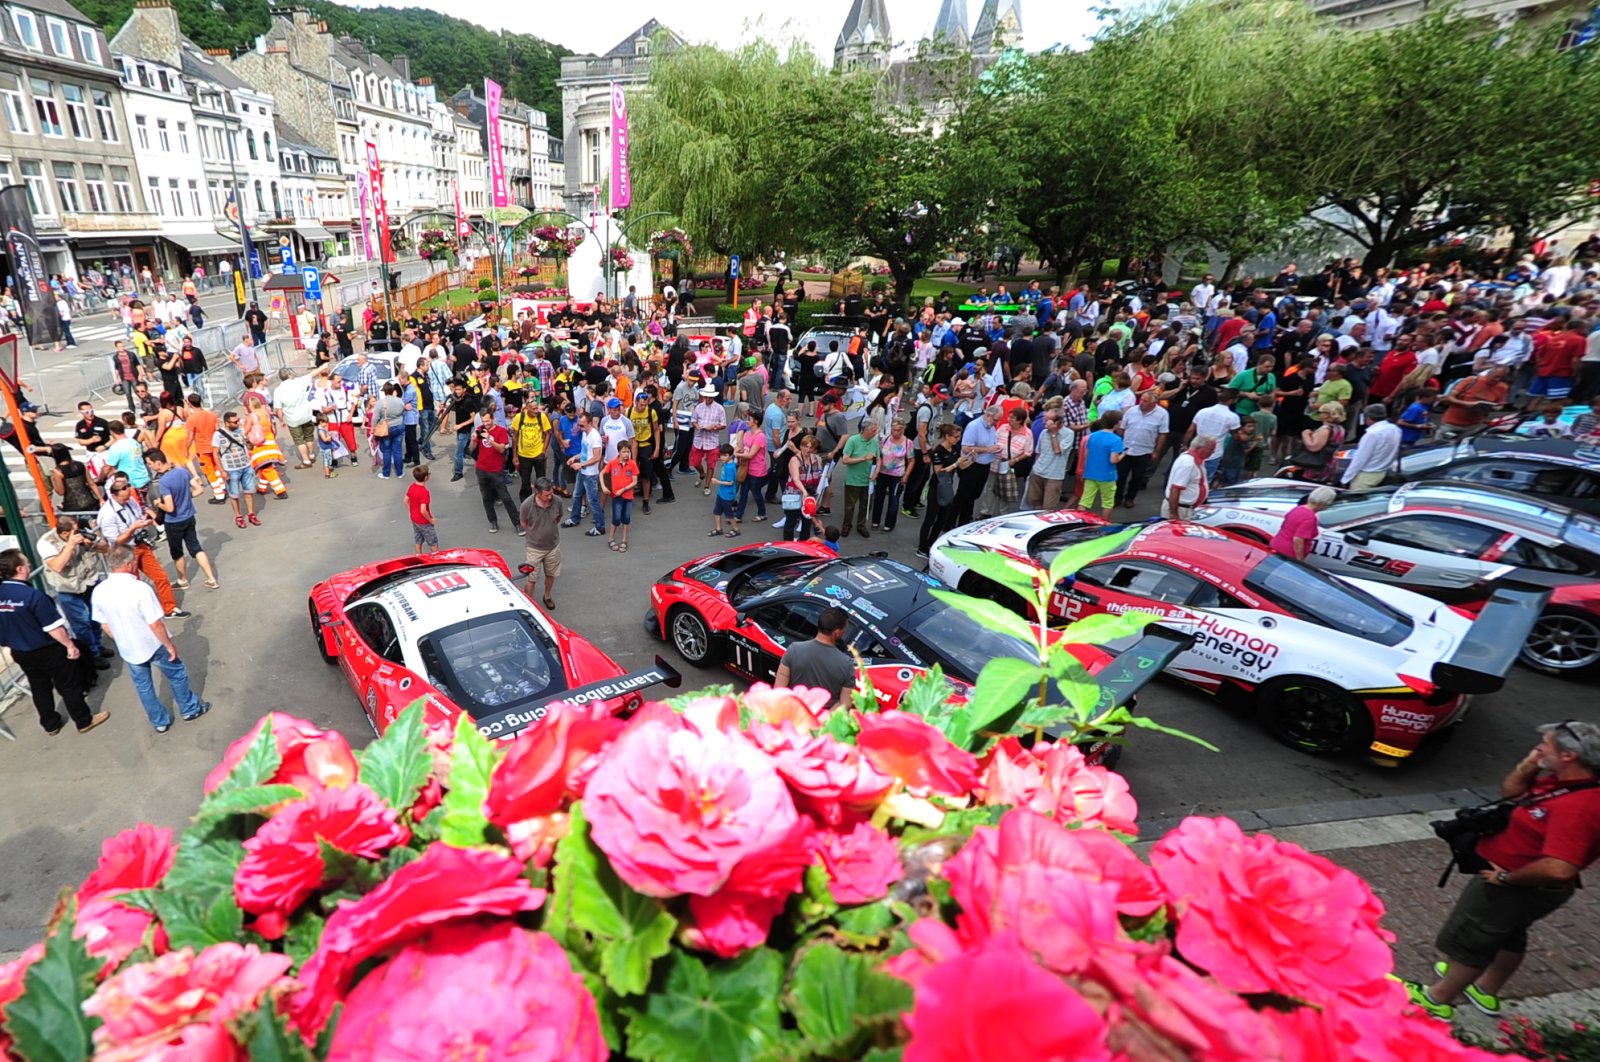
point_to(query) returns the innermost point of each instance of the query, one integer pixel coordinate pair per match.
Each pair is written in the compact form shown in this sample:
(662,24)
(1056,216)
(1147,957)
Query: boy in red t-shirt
(420,503)
(617,479)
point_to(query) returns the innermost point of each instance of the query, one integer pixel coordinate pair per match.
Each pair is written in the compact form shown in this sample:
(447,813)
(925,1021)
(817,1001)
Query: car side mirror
(525,569)
(325,618)
(1358,537)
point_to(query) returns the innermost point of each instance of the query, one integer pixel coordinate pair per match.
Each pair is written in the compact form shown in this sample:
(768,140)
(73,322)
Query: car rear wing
(1491,645)
(1133,668)
(512,721)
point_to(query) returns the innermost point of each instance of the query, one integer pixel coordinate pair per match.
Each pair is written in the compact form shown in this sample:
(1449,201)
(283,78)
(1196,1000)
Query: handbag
(380,428)
(944,491)
(791,499)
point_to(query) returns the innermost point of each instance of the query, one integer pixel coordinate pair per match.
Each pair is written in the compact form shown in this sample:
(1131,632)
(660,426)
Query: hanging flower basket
(671,243)
(552,241)
(435,244)
(621,258)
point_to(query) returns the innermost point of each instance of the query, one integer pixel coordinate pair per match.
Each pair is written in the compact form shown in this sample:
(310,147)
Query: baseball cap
(641,393)
(27,407)
(938,393)
(613,403)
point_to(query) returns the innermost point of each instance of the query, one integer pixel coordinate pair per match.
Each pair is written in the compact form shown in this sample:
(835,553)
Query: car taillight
(1421,685)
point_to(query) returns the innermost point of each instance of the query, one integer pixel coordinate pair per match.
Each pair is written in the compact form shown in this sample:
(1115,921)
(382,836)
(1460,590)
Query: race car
(1332,665)
(454,629)
(1450,541)
(744,607)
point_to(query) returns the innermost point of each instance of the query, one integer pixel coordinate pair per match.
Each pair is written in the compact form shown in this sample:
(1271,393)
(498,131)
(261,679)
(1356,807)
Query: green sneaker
(1488,1004)
(1419,998)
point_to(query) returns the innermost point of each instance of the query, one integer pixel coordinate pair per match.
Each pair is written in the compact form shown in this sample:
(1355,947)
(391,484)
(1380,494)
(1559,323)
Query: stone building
(524,144)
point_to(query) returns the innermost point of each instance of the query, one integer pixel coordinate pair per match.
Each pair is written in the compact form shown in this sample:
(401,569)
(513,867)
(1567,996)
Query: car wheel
(691,636)
(316,632)
(1314,716)
(1563,642)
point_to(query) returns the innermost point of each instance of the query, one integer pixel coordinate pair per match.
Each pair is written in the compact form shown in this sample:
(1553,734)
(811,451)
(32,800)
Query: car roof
(441,596)
(886,585)
(1562,450)
(1519,511)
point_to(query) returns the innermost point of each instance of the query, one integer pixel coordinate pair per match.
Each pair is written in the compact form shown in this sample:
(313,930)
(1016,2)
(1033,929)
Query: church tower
(999,27)
(951,28)
(865,39)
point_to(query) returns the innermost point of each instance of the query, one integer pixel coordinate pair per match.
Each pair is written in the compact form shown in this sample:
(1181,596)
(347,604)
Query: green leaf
(928,696)
(193,921)
(727,1012)
(205,865)
(993,616)
(956,824)
(472,762)
(631,930)
(1104,627)
(1017,575)
(1069,560)
(259,763)
(867,925)
(396,765)
(47,1020)
(1003,682)
(842,726)
(246,800)
(300,940)
(837,998)
(272,1041)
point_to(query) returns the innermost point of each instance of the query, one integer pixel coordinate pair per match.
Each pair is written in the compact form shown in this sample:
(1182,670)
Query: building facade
(524,143)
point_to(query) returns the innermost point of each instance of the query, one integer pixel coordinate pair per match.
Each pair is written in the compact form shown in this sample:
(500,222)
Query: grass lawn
(453,299)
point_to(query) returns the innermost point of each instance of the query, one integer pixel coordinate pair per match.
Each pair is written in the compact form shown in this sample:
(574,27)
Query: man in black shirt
(32,627)
(257,322)
(464,410)
(91,431)
(1185,401)
(461,356)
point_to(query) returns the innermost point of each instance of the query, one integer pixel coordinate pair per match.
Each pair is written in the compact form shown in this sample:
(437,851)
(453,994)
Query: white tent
(586,272)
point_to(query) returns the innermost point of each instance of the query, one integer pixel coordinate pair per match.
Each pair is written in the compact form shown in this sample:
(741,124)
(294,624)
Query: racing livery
(1331,665)
(454,629)
(1451,541)
(1562,471)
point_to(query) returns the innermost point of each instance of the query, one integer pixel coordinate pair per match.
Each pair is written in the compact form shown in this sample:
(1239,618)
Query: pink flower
(444,885)
(1261,915)
(1055,779)
(133,859)
(675,809)
(906,747)
(861,864)
(1373,1033)
(830,775)
(473,991)
(996,1004)
(1160,1008)
(180,998)
(283,861)
(801,707)
(537,777)
(311,756)
(739,915)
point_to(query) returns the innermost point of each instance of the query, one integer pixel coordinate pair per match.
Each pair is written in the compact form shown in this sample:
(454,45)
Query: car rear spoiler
(1491,645)
(1133,668)
(512,721)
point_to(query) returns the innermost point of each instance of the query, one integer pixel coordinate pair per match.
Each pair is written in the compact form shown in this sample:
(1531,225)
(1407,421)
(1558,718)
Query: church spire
(951,27)
(865,38)
(999,27)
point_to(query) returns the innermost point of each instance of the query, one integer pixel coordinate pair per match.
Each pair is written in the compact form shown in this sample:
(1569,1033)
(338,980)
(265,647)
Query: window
(250,139)
(377,630)
(1438,534)
(183,137)
(44,105)
(77,111)
(60,39)
(162,135)
(266,146)
(141,130)
(67,186)
(6,179)
(177,199)
(105,117)
(194,198)
(89,44)
(1142,579)
(261,202)
(489,663)
(1319,598)
(15,107)
(94,182)
(217,199)
(122,184)
(38,190)
(27,29)
(277,203)
(155,194)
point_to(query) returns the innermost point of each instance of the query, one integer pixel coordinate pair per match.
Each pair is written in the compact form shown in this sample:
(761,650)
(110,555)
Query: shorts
(548,559)
(303,434)
(1551,386)
(181,535)
(241,481)
(700,456)
(1488,919)
(723,507)
(1105,489)
(622,511)
(426,535)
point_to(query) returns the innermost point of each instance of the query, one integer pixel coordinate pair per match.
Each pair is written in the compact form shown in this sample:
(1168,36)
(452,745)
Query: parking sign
(312,278)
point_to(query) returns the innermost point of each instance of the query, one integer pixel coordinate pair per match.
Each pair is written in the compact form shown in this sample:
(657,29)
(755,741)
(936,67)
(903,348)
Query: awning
(294,282)
(315,233)
(203,243)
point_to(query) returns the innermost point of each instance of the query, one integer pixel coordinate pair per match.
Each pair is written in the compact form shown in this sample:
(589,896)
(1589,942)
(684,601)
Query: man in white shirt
(1376,452)
(1381,327)
(614,427)
(1202,294)
(410,353)
(1518,347)
(1217,421)
(128,610)
(1187,482)
(1144,437)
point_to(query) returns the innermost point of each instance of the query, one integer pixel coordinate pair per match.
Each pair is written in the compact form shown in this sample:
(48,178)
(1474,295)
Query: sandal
(732,534)
(239,520)
(713,533)
(622,548)
(305,466)
(613,546)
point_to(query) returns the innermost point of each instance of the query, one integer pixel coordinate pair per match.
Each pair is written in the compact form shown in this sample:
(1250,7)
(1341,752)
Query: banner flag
(500,193)
(621,179)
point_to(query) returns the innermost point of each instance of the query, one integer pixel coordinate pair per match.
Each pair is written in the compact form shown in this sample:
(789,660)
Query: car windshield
(752,584)
(955,640)
(1583,532)
(1045,547)
(1320,598)
(489,663)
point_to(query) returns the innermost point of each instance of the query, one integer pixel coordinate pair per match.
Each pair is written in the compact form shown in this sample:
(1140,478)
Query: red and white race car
(1332,664)
(454,629)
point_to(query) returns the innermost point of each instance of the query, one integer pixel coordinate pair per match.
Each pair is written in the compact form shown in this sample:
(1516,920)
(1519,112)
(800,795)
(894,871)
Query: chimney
(402,63)
(220,53)
(424,80)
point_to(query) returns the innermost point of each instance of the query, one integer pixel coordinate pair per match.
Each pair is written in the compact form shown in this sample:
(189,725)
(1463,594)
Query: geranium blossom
(829,775)
(134,859)
(311,756)
(476,991)
(907,748)
(1261,915)
(1054,778)
(802,707)
(1373,1033)
(739,915)
(861,863)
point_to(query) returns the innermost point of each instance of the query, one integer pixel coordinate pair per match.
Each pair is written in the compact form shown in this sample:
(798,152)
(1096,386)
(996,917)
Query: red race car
(742,608)
(454,629)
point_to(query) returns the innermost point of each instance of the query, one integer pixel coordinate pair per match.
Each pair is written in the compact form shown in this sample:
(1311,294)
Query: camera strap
(1521,802)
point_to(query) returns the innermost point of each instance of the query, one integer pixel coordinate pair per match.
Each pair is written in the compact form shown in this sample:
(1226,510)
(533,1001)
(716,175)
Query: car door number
(746,657)
(1372,562)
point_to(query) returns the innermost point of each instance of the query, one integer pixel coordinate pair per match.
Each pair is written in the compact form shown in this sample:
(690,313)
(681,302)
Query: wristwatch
(1500,877)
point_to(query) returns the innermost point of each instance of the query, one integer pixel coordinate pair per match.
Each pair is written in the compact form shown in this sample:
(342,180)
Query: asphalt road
(249,650)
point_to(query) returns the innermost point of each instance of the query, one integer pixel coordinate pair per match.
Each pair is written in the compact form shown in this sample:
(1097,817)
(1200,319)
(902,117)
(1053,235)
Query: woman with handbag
(1012,464)
(804,477)
(388,430)
(889,477)
(1319,444)
(947,463)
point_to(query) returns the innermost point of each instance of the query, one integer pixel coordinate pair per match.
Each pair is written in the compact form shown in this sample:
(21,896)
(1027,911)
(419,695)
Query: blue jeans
(462,439)
(429,424)
(587,488)
(177,677)
(754,486)
(1212,462)
(392,448)
(75,607)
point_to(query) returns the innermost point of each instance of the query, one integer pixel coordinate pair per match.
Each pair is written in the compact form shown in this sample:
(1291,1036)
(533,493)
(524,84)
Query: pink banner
(366,222)
(380,207)
(621,179)
(499,191)
(463,226)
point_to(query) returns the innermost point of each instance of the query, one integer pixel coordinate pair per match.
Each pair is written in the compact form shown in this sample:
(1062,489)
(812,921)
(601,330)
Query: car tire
(691,636)
(1564,642)
(316,633)
(1314,716)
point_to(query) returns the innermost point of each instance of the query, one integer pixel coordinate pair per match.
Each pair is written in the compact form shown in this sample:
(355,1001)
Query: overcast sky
(597,27)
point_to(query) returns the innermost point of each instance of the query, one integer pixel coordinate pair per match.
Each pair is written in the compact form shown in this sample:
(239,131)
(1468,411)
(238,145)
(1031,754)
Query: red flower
(133,859)
(1261,915)
(861,864)
(830,775)
(1374,1033)
(443,885)
(1161,1008)
(996,1004)
(283,861)
(905,747)
(472,991)
(739,915)
(1055,779)
(180,1000)
(803,708)
(311,756)
(537,776)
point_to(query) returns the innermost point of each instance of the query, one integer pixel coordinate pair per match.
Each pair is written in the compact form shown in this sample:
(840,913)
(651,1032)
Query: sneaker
(1418,995)
(383,475)
(922,553)
(180,584)
(205,706)
(1486,1003)
(569,523)
(94,721)
(458,475)
(594,532)
(494,529)
(909,512)
(179,613)
(163,729)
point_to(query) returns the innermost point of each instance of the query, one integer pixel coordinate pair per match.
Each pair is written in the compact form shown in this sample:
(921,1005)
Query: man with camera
(124,521)
(489,445)
(1527,865)
(71,554)
(35,631)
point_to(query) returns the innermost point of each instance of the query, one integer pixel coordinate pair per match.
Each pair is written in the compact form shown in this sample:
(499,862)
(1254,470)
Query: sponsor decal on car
(1403,719)
(1218,640)
(442,584)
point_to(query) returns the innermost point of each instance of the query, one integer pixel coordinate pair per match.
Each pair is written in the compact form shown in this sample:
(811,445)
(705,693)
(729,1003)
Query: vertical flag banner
(463,226)
(27,264)
(251,260)
(366,221)
(621,179)
(500,192)
(380,209)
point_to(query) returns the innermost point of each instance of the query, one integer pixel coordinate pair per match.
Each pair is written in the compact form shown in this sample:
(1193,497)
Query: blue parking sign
(733,266)
(312,278)
(286,254)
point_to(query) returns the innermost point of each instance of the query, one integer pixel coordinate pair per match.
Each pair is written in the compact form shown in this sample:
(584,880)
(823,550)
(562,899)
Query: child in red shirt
(420,503)
(617,479)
